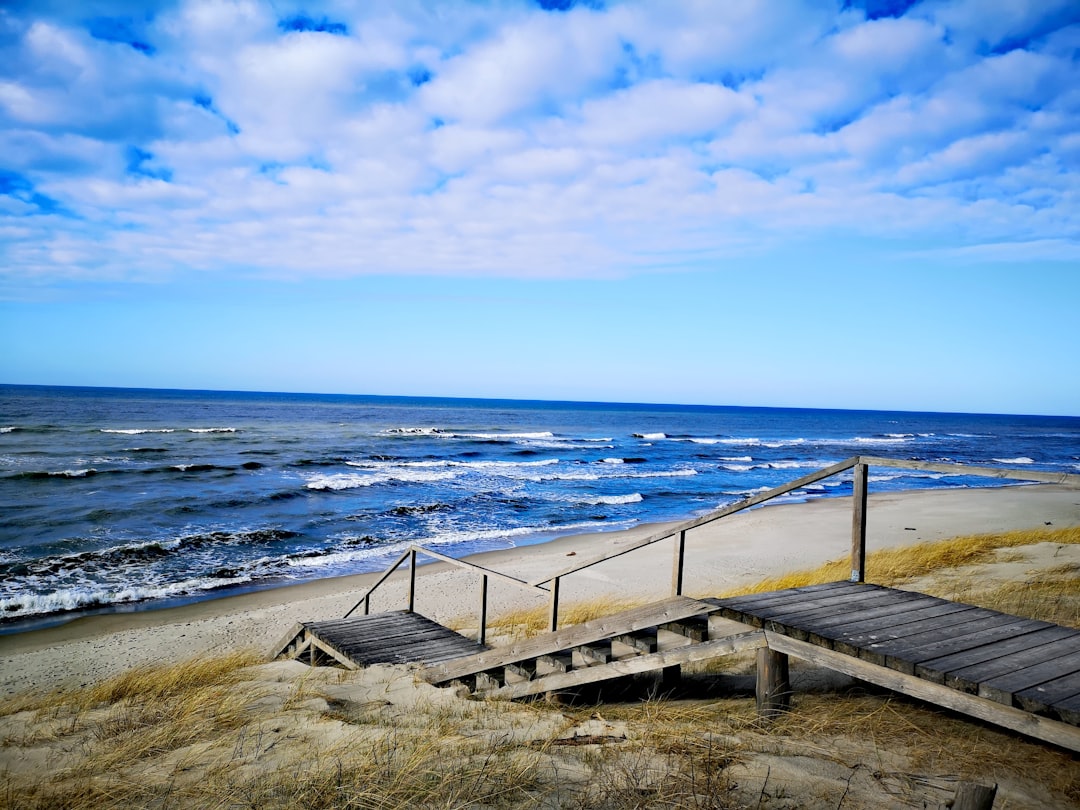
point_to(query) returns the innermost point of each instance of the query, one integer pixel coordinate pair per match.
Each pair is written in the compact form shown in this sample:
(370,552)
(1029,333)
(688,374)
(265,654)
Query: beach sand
(735,551)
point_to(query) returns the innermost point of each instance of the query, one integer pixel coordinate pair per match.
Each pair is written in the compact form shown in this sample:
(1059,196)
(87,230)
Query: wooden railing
(411,553)
(860,465)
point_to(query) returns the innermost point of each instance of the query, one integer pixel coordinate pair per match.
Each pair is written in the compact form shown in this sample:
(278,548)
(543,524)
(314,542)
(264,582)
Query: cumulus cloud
(249,137)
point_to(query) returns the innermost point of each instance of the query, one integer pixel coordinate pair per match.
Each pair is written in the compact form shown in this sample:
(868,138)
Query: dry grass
(531,621)
(205,734)
(894,566)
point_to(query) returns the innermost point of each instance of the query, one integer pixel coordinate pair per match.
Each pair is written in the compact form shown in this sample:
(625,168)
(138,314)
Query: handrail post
(553,610)
(367,604)
(412,580)
(858,524)
(677,570)
(481,635)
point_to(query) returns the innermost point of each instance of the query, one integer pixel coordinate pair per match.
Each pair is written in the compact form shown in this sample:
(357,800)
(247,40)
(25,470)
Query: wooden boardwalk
(394,637)
(649,638)
(1019,673)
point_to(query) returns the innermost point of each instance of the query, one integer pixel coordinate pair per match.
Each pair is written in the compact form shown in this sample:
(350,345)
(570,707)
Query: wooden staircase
(651,638)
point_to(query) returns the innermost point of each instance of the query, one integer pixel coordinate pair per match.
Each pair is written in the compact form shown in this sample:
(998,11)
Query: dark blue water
(113,497)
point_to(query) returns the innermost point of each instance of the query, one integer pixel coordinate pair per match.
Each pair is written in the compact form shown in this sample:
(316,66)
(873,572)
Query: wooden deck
(394,637)
(1019,673)
(649,638)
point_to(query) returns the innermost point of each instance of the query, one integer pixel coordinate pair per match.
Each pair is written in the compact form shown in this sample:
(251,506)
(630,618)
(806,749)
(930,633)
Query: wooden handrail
(861,465)
(746,503)
(410,554)
(1065,479)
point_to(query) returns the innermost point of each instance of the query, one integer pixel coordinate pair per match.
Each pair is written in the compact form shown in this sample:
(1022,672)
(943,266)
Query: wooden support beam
(412,580)
(773,689)
(553,605)
(1040,728)
(481,633)
(677,566)
(970,796)
(858,525)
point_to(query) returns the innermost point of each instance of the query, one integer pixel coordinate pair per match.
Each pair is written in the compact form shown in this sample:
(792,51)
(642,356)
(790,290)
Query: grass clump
(896,565)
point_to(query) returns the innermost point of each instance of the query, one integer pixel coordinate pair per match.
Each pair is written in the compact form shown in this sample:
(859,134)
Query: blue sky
(855,204)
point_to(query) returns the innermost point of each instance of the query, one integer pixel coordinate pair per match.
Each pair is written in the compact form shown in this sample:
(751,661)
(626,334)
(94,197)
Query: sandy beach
(737,550)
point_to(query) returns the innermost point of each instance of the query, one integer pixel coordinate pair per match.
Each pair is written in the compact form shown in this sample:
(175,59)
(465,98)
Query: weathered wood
(971,796)
(668,610)
(554,682)
(396,637)
(746,503)
(969,679)
(481,632)
(412,580)
(1003,687)
(677,565)
(1066,736)
(695,628)
(365,599)
(773,688)
(1044,696)
(949,668)
(1013,473)
(590,654)
(858,524)
(553,606)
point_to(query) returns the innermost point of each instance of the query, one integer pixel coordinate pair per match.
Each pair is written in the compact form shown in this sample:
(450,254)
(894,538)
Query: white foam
(541,435)
(735,458)
(444,463)
(341,481)
(612,500)
(891,438)
(650,435)
(1020,460)
(138,431)
(739,467)
(212,430)
(613,461)
(705,441)
(8,429)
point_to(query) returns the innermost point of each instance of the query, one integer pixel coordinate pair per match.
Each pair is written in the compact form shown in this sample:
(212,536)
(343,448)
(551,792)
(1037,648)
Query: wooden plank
(1003,687)
(940,668)
(971,629)
(673,609)
(968,679)
(904,654)
(294,633)
(848,607)
(978,646)
(1065,479)
(911,623)
(394,642)
(1042,697)
(1068,710)
(1051,731)
(832,629)
(752,639)
(752,601)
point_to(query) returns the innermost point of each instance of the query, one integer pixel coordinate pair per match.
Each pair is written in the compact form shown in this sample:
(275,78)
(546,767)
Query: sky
(812,204)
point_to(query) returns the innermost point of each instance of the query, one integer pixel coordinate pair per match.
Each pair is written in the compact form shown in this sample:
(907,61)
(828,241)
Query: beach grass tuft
(229,731)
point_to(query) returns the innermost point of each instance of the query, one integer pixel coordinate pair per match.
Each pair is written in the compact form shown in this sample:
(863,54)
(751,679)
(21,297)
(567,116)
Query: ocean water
(119,499)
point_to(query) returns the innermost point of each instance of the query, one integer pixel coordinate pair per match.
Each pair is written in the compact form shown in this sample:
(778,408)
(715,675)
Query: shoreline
(736,551)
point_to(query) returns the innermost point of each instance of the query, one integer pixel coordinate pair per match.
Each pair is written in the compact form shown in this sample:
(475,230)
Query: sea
(129,499)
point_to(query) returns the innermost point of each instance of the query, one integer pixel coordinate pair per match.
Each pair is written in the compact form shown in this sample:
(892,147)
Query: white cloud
(422,138)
